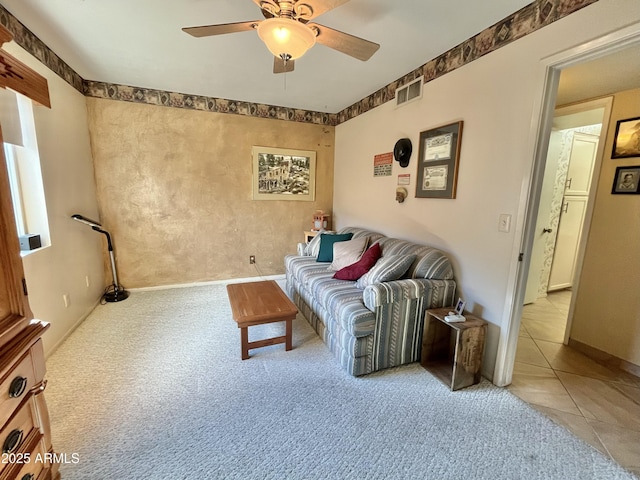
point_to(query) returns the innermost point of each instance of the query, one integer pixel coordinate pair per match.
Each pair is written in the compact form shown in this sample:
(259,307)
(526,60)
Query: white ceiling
(612,73)
(140,43)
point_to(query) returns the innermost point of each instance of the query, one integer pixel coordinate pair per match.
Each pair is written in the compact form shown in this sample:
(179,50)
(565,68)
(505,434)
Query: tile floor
(599,404)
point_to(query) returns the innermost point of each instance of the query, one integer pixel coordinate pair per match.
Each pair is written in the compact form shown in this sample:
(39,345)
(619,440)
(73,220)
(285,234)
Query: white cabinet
(583,153)
(584,148)
(567,241)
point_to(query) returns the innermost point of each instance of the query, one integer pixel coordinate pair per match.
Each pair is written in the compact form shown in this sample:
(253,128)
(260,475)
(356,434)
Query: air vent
(409,92)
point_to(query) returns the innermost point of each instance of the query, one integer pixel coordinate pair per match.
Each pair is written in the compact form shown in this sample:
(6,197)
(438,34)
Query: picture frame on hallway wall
(626,141)
(283,174)
(627,180)
(438,161)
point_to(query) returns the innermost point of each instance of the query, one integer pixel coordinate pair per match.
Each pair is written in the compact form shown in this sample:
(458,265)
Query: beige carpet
(154,388)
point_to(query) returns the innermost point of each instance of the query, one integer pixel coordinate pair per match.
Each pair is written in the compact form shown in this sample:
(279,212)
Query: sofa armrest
(438,293)
(399,307)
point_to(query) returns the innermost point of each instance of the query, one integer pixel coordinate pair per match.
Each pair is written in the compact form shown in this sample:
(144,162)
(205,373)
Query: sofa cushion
(347,253)
(355,271)
(326,245)
(332,299)
(388,268)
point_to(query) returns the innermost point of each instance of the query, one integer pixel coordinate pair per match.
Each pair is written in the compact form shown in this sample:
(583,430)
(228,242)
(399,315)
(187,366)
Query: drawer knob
(17,387)
(12,441)
(28,476)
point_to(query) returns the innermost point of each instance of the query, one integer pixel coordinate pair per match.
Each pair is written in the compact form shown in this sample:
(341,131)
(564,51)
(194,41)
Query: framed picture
(438,161)
(626,180)
(283,174)
(460,307)
(626,142)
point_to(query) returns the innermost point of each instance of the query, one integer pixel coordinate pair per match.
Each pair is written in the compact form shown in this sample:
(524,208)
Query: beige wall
(495,96)
(67,174)
(607,307)
(174,188)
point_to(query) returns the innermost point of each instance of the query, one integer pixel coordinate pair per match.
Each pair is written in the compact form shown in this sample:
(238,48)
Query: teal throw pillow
(326,245)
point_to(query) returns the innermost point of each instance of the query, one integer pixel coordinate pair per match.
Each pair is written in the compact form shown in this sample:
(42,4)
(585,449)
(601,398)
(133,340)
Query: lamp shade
(285,38)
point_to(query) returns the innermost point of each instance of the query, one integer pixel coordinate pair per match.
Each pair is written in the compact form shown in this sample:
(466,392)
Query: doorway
(566,202)
(623,43)
(589,397)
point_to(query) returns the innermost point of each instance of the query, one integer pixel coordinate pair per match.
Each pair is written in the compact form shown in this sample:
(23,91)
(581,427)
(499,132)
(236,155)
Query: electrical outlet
(252,259)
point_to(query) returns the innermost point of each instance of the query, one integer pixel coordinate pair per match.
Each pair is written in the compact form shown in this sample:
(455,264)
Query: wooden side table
(453,352)
(309,234)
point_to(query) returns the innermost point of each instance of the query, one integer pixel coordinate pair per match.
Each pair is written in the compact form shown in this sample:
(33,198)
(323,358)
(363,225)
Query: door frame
(544,110)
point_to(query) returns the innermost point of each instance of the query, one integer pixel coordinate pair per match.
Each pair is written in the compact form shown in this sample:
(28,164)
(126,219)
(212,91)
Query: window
(23,165)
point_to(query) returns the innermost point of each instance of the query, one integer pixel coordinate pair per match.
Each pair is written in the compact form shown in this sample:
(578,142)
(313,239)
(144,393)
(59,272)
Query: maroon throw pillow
(362,266)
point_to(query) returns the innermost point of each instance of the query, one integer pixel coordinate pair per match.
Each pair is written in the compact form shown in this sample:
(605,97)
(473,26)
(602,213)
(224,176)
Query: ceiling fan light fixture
(286,38)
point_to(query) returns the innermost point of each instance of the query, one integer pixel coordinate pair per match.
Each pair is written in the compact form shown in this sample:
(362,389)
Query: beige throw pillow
(347,253)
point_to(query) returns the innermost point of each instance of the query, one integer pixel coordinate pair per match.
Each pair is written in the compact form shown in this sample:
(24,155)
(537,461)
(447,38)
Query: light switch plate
(504,223)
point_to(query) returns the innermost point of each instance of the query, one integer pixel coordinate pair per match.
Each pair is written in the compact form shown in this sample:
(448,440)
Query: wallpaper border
(527,20)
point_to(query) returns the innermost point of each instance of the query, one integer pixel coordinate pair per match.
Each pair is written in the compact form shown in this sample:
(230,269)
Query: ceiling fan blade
(209,30)
(279,66)
(343,42)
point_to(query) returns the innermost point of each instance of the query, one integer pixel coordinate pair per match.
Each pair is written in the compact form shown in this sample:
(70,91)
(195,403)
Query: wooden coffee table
(257,303)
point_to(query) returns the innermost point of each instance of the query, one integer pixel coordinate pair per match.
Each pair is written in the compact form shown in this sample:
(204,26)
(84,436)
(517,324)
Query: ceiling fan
(288,33)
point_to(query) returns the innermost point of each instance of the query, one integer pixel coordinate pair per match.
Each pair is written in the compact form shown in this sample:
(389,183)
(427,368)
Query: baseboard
(81,319)
(212,282)
(604,357)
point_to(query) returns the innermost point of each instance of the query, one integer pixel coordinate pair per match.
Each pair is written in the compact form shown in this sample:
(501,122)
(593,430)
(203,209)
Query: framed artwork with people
(626,180)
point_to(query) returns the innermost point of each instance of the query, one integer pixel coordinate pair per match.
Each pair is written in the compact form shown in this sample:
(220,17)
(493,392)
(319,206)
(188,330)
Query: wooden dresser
(25,434)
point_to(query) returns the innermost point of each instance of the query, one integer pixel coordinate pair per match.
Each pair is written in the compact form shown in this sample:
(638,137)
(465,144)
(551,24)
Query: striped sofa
(378,327)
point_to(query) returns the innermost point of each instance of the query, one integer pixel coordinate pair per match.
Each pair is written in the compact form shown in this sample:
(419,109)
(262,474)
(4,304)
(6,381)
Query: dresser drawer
(15,434)
(15,386)
(30,464)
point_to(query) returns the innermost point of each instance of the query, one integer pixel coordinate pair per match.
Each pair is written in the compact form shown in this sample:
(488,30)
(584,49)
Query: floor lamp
(114,292)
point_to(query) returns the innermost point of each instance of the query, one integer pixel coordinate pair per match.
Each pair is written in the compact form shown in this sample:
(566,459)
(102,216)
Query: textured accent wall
(174,189)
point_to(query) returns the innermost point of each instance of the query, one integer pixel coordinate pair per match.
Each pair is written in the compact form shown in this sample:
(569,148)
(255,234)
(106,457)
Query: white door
(542,224)
(567,241)
(583,155)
